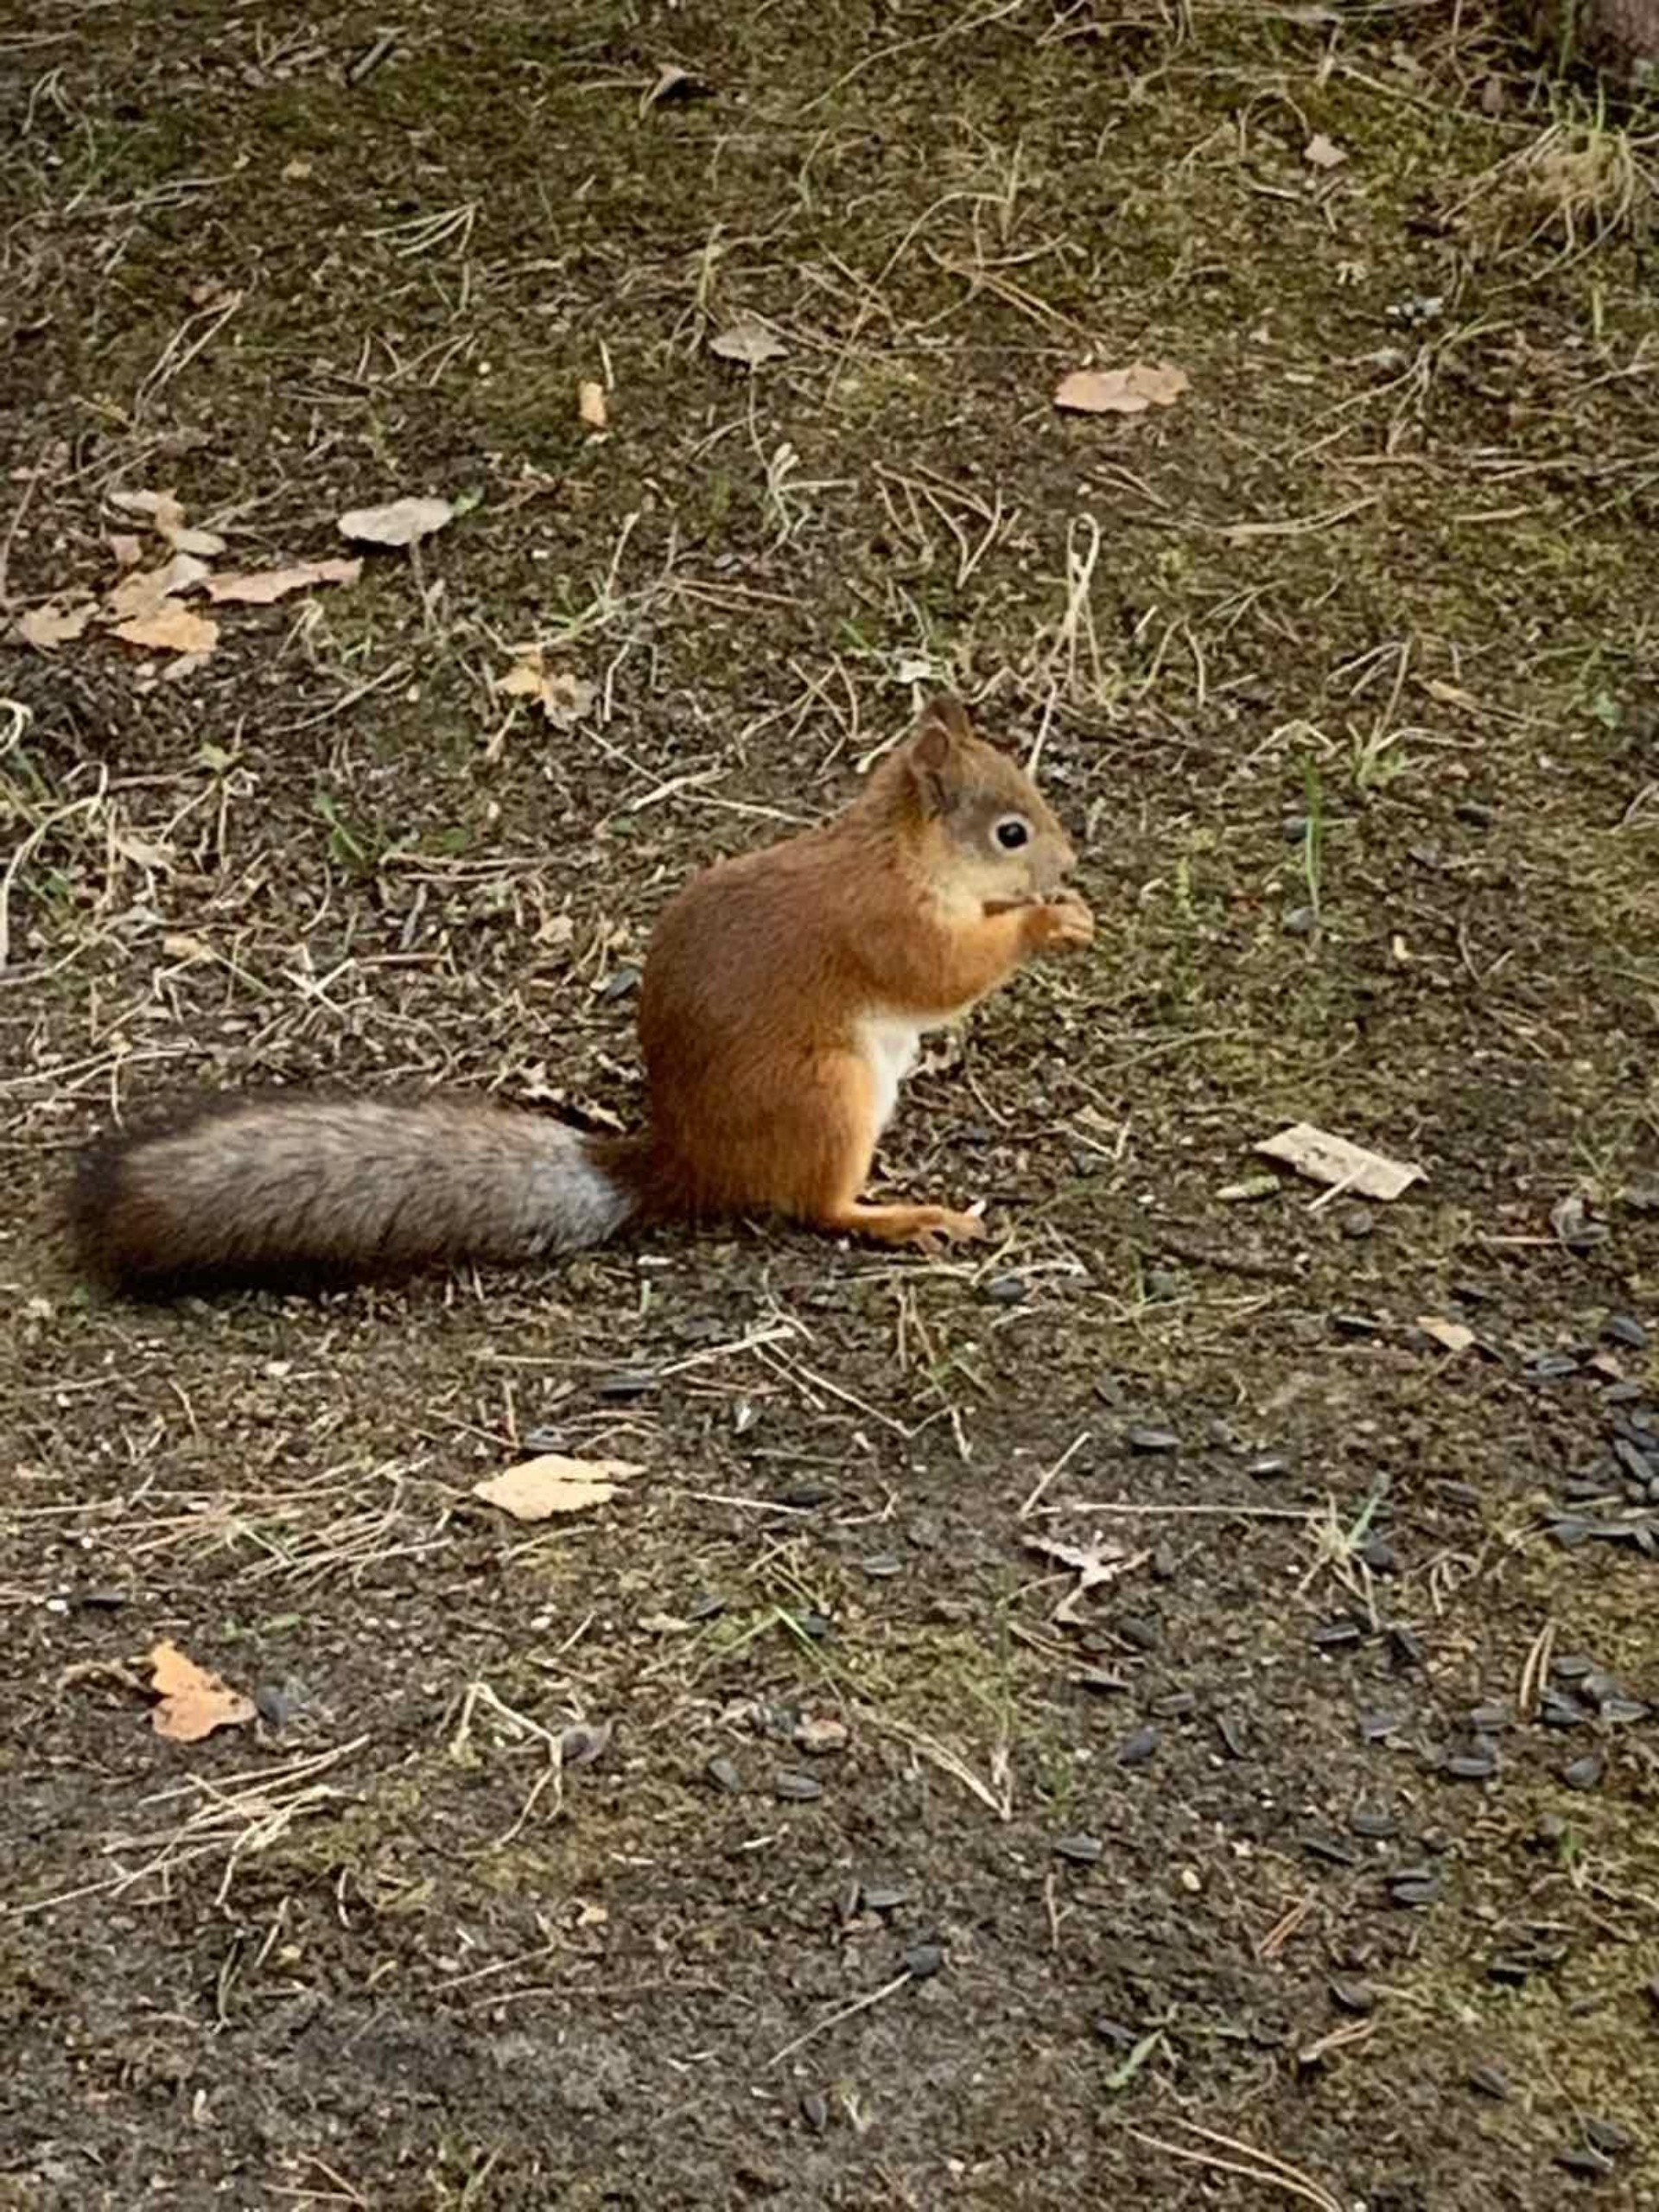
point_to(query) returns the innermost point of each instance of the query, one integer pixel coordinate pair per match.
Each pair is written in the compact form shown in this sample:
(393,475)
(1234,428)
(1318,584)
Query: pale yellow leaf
(161,508)
(172,629)
(1342,1165)
(591,404)
(193,1701)
(1451,1336)
(206,543)
(1130,391)
(263,586)
(748,343)
(522,681)
(537,1489)
(55,623)
(405,522)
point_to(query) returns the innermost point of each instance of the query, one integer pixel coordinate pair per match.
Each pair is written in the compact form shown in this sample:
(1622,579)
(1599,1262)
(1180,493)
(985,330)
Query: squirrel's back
(294,1189)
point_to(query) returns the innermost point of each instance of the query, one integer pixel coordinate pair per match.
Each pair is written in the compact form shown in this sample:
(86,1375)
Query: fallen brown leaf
(537,1488)
(263,586)
(172,629)
(405,522)
(147,590)
(1333,1160)
(564,699)
(591,406)
(1099,1560)
(57,623)
(193,1701)
(1121,391)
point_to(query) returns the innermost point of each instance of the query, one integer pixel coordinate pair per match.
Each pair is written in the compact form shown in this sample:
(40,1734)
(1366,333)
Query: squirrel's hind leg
(846,1111)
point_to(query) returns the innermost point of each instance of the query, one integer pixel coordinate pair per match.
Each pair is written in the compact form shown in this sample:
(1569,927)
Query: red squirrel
(783,998)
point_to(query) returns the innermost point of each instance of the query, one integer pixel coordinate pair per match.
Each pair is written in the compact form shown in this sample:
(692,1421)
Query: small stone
(625,1387)
(1081,1850)
(1489,2082)
(1487,1719)
(1338,1635)
(884,1896)
(922,1961)
(276,1703)
(796,1789)
(724,1775)
(1331,1850)
(1376,1827)
(1140,1632)
(805,1496)
(1356,1221)
(814,1626)
(882,1566)
(1266,1466)
(1583,1774)
(1609,2138)
(1479,1765)
(1141,1438)
(1007,1290)
(1589,2163)
(1163,1284)
(1117,2033)
(1379,1554)
(815,2110)
(1300,921)
(1137,1750)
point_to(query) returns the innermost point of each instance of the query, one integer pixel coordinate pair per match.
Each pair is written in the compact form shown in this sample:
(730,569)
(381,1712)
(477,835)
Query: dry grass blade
(1250,2164)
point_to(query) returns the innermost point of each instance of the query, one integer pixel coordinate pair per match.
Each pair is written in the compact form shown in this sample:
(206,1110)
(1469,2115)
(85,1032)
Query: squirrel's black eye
(1012,833)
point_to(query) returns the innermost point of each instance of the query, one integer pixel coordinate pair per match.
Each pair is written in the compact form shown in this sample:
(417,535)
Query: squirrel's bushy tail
(294,1189)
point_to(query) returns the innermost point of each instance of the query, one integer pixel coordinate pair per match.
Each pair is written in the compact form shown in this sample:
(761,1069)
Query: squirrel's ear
(943,727)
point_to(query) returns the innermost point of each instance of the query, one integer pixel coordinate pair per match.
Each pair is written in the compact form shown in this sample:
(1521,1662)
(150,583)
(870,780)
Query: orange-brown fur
(764,977)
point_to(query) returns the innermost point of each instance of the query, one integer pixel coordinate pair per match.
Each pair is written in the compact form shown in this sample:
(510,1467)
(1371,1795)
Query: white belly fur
(890,1044)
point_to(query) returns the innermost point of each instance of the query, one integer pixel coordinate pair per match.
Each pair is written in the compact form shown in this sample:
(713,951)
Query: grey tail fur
(299,1191)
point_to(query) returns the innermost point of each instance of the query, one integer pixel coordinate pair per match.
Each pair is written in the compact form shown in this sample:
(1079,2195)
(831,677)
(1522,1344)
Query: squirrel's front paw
(1064,922)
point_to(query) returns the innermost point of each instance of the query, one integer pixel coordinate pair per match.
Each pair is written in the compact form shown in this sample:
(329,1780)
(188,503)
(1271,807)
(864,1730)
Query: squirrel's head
(995,837)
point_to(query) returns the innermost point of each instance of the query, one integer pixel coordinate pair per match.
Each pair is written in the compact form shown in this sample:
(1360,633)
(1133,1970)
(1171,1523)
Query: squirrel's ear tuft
(934,753)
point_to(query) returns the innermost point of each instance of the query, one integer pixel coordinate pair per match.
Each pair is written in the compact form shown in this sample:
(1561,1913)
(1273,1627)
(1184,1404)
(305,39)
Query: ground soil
(702,1849)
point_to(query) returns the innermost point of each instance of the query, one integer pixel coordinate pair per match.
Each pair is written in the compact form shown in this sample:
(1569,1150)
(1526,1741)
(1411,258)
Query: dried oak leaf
(1121,391)
(57,623)
(264,586)
(172,629)
(192,1702)
(405,522)
(537,1488)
